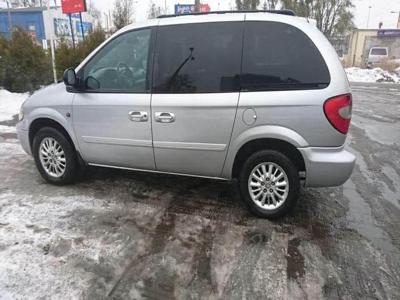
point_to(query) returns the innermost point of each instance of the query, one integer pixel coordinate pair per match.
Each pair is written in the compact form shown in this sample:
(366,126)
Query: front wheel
(269,184)
(55,157)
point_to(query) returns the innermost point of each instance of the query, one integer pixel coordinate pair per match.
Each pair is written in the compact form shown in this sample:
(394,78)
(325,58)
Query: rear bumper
(23,137)
(327,166)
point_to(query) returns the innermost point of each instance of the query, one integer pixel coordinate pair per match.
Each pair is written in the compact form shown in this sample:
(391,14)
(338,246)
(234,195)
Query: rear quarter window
(278,56)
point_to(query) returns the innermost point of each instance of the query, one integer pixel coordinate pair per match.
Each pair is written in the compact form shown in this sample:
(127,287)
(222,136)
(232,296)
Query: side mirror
(69,77)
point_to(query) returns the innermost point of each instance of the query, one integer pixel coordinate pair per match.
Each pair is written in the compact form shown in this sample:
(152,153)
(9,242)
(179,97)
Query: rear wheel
(55,157)
(269,184)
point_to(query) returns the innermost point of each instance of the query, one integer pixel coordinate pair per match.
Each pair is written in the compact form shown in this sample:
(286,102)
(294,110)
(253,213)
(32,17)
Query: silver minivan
(260,97)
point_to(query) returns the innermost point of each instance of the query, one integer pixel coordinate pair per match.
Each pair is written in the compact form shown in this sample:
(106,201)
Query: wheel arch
(259,144)
(41,122)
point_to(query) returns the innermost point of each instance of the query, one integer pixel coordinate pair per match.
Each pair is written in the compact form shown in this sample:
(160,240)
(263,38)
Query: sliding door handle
(164,117)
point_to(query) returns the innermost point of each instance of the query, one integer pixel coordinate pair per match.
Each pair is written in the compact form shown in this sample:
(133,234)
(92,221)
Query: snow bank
(10,104)
(372,75)
(7,129)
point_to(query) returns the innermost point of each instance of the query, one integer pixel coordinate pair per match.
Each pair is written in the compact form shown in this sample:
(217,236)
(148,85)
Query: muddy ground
(119,234)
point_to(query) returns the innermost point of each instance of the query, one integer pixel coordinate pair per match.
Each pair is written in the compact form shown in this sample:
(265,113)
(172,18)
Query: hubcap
(52,157)
(268,185)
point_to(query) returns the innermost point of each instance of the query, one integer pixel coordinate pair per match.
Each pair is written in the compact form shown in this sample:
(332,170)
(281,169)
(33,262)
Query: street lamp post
(9,17)
(369,14)
(197,5)
(52,51)
(398,20)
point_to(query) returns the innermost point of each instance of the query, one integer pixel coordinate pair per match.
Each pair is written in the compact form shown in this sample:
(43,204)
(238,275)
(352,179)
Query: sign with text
(73,6)
(389,32)
(181,9)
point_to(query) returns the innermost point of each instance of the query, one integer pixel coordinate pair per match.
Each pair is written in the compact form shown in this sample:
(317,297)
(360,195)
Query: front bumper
(23,137)
(327,166)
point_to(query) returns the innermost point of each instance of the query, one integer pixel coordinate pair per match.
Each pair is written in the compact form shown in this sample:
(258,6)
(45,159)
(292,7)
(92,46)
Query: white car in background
(376,55)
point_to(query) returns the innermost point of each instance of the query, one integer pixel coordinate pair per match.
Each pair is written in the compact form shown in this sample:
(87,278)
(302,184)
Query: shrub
(67,56)
(24,64)
(388,65)
(3,53)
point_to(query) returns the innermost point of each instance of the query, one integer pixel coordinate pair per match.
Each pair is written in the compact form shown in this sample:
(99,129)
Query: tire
(67,159)
(285,195)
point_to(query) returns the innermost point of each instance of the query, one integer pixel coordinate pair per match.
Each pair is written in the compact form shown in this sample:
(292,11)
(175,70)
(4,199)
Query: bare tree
(247,4)
(95,13)
(122,13)
(154,10)
(269,4)
(332,16)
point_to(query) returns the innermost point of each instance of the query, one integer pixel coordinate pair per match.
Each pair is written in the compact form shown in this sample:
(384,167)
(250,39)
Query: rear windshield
(278,56)
(378,51)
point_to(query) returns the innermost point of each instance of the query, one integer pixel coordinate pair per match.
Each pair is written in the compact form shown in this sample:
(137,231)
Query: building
(41,23)
(362,40)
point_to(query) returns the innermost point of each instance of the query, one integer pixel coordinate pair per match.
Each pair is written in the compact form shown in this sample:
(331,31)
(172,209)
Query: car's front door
(195,95)
(111,116)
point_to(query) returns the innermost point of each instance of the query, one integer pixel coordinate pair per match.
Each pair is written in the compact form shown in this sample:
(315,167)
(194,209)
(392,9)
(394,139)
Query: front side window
(278,56)
(198,58)
(121,65)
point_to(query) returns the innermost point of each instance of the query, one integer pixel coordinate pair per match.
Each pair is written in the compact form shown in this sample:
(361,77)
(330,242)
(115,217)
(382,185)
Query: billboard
(73,6)
(87,27)
(61,27)
(181,9)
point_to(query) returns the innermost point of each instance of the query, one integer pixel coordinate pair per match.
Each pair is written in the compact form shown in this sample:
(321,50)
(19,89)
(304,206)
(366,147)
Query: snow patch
(372,75)
(7,129)
(10,104)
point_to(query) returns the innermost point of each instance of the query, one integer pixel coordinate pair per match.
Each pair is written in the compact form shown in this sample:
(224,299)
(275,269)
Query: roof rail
(286,12)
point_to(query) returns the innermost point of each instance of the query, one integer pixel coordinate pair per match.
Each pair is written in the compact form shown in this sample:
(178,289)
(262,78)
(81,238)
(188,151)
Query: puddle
(378,131)
(360,218)
(391,195)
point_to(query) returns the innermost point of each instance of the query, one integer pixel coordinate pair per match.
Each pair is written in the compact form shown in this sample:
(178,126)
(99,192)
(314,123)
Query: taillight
(338,112)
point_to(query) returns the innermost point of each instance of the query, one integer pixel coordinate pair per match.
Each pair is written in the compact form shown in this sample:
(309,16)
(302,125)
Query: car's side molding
(260,132)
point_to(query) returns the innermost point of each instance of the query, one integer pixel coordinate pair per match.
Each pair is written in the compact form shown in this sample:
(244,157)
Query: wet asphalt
(118,234)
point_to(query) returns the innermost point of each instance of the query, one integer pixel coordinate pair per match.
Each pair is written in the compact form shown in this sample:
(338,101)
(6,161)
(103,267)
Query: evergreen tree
(25,65)
(67,56)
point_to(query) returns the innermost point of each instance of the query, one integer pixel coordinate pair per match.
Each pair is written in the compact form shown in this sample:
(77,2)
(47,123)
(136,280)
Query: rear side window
(278,56)
(198,58)
(378,51)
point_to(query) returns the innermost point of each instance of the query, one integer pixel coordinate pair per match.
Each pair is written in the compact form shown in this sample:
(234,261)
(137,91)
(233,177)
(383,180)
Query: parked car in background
(260,97)
(377,55)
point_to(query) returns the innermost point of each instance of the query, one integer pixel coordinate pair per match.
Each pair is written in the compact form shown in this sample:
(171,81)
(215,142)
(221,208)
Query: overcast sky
(380,9)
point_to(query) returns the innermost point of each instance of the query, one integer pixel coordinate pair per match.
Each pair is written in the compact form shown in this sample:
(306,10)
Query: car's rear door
(195,94)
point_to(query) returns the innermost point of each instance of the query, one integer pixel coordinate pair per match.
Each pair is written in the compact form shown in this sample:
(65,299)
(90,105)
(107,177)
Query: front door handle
(138,116)
(164,117)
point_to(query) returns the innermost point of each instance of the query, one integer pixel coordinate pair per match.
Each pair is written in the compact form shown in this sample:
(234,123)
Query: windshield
(378,51)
